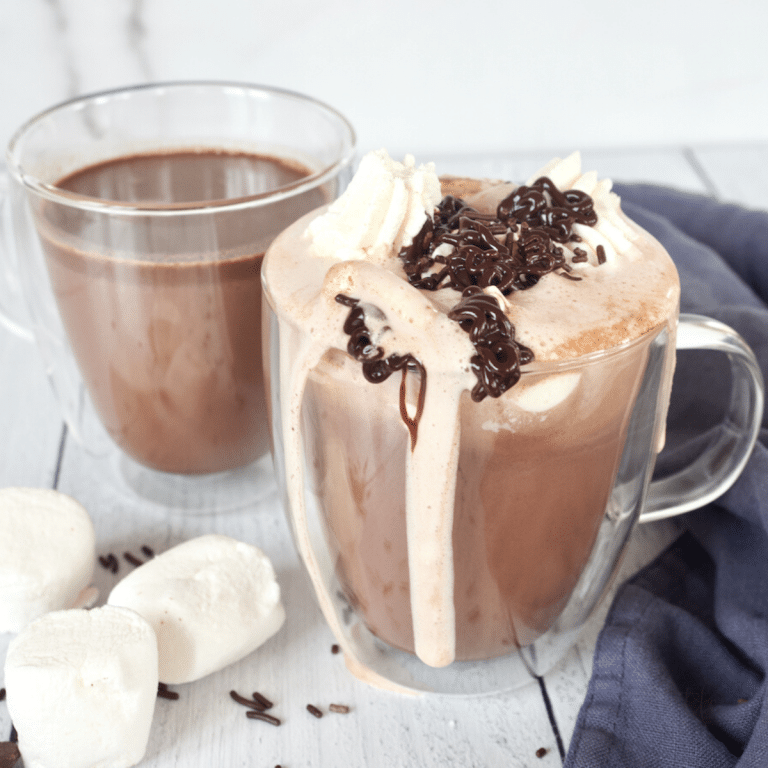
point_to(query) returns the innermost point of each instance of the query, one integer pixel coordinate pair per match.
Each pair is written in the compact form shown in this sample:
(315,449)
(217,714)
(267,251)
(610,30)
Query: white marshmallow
(47,554)
(211,601)
(546,394)
(81,688)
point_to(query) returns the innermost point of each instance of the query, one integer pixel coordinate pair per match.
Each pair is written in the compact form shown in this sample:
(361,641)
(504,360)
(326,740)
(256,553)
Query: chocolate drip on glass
(377,368)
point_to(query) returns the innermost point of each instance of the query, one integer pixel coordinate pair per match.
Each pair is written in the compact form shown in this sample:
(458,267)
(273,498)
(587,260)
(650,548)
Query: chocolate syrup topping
(499,357)
(510,251)
(377,368)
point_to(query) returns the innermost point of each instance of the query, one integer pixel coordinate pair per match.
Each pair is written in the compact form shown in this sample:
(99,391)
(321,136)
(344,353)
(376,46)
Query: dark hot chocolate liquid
(163,311)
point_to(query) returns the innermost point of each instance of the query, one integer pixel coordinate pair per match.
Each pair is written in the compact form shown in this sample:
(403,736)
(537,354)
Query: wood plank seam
(551,717)
(690,157)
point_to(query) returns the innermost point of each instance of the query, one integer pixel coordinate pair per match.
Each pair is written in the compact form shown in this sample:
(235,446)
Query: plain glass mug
(146,302)
(542,513)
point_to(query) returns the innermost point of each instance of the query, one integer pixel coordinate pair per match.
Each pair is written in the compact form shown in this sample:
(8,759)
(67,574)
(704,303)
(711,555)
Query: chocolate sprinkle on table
(259,706)
(148,551)
(256,715)
(263,700)
(164,693)
(342,709)
(541,751)
(9,754)
(132,559)
(313,710)
(109,562)
(335,648)
(2,694)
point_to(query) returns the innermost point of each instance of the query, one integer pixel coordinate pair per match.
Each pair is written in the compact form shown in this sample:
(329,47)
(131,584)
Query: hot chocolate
(163,311)
(457,381)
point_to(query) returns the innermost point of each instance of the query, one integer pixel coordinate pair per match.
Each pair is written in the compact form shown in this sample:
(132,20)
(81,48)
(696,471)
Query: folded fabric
(679,675)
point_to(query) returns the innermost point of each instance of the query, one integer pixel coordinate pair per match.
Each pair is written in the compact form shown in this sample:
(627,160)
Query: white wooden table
(204,728)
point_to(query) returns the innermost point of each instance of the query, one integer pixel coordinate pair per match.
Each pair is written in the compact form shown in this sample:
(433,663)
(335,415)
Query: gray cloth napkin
(679,668)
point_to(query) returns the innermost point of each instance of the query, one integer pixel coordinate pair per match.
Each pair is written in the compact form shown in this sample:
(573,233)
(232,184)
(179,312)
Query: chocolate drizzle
(511,251)
(499,357)
(377,368)
(466,250)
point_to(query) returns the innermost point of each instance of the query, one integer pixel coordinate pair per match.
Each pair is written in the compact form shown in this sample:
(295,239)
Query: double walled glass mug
(546,496)
(136,222)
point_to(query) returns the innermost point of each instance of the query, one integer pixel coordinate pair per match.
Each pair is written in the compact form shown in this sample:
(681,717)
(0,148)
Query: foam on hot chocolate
(360,290)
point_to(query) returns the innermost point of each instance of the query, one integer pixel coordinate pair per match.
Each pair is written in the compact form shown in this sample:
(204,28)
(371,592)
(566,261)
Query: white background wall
(423,75)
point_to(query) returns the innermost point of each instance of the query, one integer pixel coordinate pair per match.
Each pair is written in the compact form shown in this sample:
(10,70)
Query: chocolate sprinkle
(256,705)
(579,256)
(541,752)
(132,559)
(9,754)
(109,562)
(335,648)
(164,693)
(600,251)
(313,710)
(255,715)
(263,700)
(342,709)
(148,551)
(2,694)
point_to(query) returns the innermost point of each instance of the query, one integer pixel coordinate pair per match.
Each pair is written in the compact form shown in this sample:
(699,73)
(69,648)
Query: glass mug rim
(113,207)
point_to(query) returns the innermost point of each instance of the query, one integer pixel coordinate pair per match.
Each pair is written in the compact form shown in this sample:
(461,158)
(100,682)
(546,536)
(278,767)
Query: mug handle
(716,469)
(13,312)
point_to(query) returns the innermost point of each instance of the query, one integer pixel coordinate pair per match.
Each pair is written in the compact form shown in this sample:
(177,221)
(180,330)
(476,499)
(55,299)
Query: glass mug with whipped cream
(138,223)
(468,389)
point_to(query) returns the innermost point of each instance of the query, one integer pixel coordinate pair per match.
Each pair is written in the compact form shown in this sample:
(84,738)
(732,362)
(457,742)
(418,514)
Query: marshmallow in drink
(211,601)
(81,688)
(47,554)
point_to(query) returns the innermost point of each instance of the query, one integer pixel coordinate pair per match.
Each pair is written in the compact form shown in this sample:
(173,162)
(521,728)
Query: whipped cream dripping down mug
(467,560)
